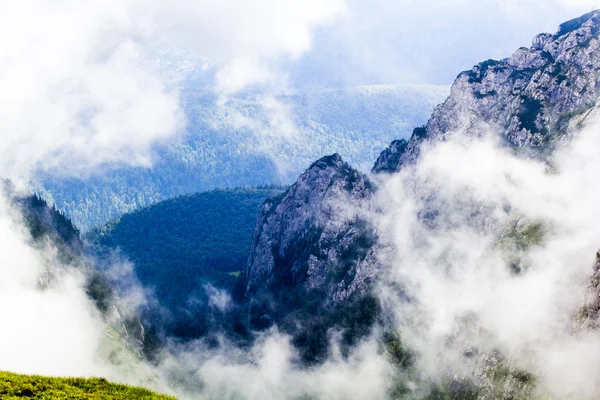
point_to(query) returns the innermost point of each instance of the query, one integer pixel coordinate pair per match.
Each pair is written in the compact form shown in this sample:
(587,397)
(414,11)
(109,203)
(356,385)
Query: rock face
(532,98)
(313,259)
(590,312)
(314,236)
(313,241)
(390,157)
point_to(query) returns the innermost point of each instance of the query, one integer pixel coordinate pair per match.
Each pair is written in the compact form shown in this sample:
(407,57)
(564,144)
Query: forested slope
(188,248)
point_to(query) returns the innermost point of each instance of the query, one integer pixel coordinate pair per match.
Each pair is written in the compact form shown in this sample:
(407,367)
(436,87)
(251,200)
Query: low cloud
(270,370)
(82,89)
(78,93)
(495,252)
(245,41)
(217,298)
(51,331)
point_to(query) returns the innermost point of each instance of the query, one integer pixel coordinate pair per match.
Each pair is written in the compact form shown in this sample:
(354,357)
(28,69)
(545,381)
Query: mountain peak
(585,27)
(589,19)
(333,160)
(301,235)
(532,99)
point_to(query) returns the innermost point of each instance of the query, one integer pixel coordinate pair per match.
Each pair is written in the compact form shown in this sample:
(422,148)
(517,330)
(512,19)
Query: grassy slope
(14,386)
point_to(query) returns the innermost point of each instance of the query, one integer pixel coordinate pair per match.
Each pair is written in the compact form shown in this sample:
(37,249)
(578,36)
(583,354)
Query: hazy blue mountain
(241,144)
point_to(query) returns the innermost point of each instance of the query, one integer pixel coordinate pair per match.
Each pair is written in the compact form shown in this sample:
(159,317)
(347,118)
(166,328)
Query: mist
(489,252)
(504,266)
(498,277)
(82,91)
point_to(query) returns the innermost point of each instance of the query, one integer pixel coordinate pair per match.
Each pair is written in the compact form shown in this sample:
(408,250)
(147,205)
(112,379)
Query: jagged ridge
(533,99)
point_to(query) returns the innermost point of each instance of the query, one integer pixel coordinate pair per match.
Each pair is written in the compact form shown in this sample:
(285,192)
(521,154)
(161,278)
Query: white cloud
(217,298)
(50,332)
(269,371)
(78,87)
(463,293)
(245,39)
(76,91)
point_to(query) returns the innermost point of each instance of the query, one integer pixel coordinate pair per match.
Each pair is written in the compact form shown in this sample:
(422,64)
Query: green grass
(15,386)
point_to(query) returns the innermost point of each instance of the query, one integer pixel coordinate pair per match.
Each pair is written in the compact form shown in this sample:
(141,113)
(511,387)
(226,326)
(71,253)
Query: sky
(358,42)
(430,41)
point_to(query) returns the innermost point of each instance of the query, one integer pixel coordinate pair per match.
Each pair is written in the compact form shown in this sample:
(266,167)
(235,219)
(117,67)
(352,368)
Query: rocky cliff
(313,248)
(531,99)
(312,251)
(315,235)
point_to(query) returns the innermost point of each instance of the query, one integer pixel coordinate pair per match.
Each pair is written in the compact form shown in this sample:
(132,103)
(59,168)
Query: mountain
(44,221)
(241,144)
(310,253)
(313,252)
(188,249)
(312,224)
(533,98)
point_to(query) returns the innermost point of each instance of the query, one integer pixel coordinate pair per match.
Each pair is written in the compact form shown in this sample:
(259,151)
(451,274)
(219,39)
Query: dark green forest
(180,245)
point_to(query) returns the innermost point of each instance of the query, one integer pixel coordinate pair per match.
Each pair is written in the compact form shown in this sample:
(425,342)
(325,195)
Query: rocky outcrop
(315,236)
(313,261)
(313,252)
(590,311)
(390,157)
(532,99)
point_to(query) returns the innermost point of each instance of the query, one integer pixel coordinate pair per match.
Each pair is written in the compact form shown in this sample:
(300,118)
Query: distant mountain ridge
(241,145)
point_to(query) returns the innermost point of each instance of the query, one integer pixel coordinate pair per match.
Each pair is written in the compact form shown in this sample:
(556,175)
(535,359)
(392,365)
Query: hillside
(250,141)
(15,386)
(179,246)
(113,326)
